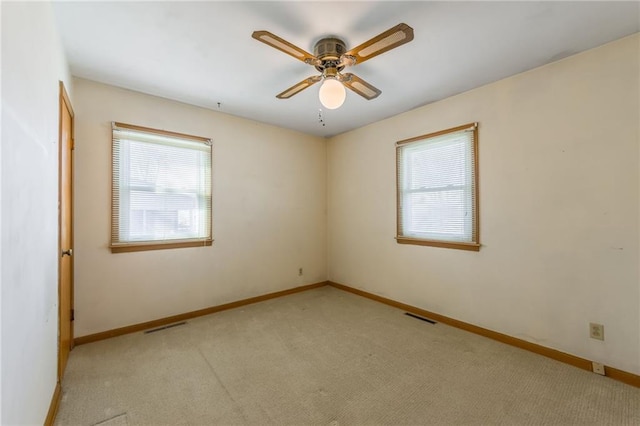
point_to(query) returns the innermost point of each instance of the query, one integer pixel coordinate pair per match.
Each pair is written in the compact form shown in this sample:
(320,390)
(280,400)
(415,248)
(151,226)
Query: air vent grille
(420,318)
(165,327)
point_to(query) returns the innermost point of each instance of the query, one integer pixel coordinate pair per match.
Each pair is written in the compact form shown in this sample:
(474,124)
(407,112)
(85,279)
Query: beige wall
(559,198)
(559,210)
(269,213)
(33,63)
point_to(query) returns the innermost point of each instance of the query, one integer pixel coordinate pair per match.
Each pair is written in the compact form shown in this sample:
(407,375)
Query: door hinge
(73,144)
(72,314)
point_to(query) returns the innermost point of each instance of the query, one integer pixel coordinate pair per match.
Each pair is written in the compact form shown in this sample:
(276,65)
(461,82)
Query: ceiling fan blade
(284,46)
(390,39)
(299,87)
(360,86)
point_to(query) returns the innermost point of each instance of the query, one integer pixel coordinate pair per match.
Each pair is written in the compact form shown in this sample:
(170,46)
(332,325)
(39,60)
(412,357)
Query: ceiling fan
(330,57)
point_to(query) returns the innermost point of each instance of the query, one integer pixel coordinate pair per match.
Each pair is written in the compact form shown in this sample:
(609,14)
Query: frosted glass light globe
(332,93)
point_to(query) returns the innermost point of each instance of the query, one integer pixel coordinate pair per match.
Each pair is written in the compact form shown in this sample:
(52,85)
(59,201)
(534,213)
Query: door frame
(64,102)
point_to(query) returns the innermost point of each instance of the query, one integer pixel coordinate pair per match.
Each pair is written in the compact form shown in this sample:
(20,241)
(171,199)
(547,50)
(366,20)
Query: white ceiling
(202,53)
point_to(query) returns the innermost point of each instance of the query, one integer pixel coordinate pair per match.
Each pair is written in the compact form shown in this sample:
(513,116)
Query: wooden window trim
(126,248)
(442,244)
(161,132)
(164,244)
(469,246)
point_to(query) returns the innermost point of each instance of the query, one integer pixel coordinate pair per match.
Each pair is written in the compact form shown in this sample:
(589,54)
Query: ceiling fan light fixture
(332,93)
(330,57)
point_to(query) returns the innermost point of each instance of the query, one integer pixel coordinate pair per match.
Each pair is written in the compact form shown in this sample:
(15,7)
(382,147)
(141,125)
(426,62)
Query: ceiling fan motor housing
(329,50)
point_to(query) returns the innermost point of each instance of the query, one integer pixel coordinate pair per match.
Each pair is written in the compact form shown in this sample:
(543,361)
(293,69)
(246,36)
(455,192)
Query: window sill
(442,244)
(124,248)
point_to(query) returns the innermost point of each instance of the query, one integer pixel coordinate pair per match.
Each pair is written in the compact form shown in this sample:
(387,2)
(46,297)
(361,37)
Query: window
(438,189)
(161,189)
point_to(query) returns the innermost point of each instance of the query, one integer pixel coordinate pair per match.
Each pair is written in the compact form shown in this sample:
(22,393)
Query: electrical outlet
(300,272)
(598,368)
(596,331)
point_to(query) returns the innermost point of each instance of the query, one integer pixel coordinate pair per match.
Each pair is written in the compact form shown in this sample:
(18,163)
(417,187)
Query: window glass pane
(437,165)
(162,188)
(440,212)
(164,167)
(436,185)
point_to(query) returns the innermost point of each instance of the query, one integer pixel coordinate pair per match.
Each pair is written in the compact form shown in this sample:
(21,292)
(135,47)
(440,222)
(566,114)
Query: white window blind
(161,187)
(437,187)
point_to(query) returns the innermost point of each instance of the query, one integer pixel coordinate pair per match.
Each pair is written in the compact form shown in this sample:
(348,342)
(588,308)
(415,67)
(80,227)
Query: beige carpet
(327,357)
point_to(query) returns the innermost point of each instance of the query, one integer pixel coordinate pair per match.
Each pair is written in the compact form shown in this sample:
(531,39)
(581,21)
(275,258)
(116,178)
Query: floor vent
(420,318)
(165,327)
